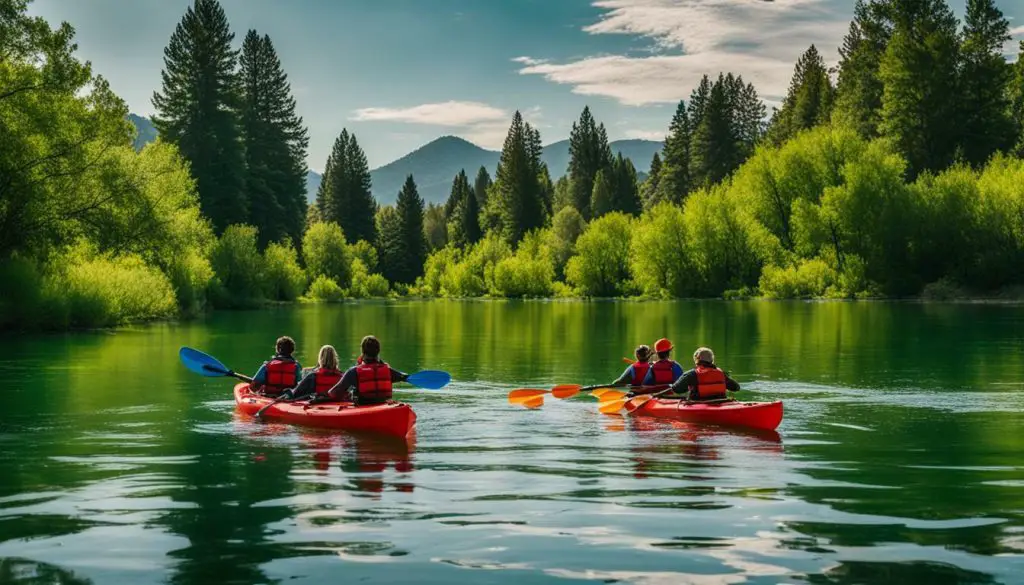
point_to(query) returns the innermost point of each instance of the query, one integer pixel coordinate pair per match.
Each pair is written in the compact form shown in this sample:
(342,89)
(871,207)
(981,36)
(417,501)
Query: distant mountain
(313,180)
(145,130)
(435,164)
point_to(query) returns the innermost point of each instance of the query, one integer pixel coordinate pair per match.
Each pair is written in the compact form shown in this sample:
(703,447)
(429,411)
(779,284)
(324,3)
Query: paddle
(631,404)
(561,391)
(207,365)
(429,379)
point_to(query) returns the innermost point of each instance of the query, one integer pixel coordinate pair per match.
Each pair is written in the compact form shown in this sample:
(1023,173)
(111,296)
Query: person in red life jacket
(705,381)
(281,373)
(634,375)
(665,371)
(370,381)
(318,381)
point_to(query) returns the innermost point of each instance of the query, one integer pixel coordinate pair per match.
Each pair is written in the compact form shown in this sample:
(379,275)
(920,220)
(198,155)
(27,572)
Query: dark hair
(370,347)
(663,355)
(285,345)
(643,353)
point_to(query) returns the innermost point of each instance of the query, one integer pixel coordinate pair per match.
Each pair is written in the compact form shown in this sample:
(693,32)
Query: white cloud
(451,113)
(656,135)
(759,40)
(1018,31)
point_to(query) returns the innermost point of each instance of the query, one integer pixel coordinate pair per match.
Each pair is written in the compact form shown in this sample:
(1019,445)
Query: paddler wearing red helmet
(665,370)
(705,381)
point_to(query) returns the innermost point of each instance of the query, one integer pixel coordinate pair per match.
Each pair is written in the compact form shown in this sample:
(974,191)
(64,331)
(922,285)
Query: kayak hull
(396,418)
(755,415)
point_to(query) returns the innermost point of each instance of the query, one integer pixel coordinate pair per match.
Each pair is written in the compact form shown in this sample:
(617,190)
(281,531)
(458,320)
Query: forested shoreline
(897,174)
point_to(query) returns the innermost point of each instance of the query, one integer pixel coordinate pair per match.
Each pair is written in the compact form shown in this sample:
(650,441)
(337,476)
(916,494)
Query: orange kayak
(755,415)
(395,418)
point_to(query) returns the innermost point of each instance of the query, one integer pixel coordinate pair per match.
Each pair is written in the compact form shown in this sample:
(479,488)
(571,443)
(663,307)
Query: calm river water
(899,459)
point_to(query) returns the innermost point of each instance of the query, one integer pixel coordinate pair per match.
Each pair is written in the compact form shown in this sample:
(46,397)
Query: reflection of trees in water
(858,572)
(26,572)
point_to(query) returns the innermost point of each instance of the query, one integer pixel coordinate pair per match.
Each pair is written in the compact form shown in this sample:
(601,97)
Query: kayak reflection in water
(636,372)
(705,381)
(281,372)
(370,381)
(323,378)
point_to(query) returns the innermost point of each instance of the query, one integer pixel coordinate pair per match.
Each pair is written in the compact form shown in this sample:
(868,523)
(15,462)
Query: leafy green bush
(191,276)
(324,289)
(366,285)
(238,266)
(600,267)
(530,272)
(365,252)
(809,279)
(327,254)
(660,259)
(283,278)
(566,227)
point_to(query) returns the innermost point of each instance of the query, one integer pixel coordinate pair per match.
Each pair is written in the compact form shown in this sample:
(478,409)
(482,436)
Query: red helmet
(662,345)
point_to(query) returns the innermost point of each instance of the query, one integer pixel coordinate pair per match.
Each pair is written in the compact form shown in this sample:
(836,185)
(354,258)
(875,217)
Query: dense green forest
(898,173)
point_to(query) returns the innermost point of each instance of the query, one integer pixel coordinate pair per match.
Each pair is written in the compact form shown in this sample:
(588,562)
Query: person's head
(704,354)
(328,358)
(370,347)
(663,347)
(643,353)
(285,346)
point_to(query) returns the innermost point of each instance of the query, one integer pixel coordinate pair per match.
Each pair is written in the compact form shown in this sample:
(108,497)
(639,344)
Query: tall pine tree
(673,174)
(481,185)
(626,195)
(1017,101)
(859,89)
(918,73)
(602,199)
(808,101)
(516,197)
(589,153)
(275,144)
(464,224)
(197,110)
(649,191)
(731,123)
(345,195)
(986,124)
(405,251)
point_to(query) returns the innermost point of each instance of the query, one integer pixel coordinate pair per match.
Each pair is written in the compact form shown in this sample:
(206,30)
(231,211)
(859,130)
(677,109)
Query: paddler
(370,381)
(705,381)
(279,373)
(636,372)
(323,378)
(666,370)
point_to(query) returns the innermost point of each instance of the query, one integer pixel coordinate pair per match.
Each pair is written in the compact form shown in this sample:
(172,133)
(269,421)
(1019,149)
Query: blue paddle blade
(430,379)
(201,363)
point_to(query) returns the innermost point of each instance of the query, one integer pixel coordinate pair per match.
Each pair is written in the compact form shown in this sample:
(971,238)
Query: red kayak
(395,418)
(755,415)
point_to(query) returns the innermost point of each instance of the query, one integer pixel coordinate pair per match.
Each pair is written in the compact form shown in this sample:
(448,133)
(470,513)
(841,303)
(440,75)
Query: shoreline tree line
(896,174)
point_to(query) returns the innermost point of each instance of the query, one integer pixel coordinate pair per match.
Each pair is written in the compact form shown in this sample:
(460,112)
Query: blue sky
(400,73)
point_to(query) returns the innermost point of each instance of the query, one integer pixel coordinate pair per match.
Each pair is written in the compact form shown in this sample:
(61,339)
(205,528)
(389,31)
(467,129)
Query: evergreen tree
(516,198)
(808,101)
(464,222)
(747,114)
(649,192)
(275,144)
(330,198)
(1017,100)
(602,199)
(625,192)
(714,151)
(406,264)
(672,177)
(589,153)
(698,101)
(480,186)
(197,110)
(546,189)
(345,196)
(859,90)
(563,195)
(985,124)
(918,74)
(435,226)
(391,253)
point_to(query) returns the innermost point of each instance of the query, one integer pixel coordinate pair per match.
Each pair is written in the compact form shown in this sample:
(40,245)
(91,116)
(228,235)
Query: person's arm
(343,389)
(397,376)
(677,371)
(681,387)
(625,378)
(260,378)
(731,385)
(305,387)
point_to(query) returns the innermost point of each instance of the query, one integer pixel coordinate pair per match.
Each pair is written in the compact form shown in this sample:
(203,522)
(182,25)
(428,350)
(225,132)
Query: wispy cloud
(758,40)
(1017,31)
(451,113)
(657,135)
(477,122)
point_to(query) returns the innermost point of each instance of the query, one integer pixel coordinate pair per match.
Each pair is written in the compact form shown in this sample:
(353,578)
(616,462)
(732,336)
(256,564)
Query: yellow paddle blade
(606,394)
(612,406)
(535,402)
(633,404)
(523,393)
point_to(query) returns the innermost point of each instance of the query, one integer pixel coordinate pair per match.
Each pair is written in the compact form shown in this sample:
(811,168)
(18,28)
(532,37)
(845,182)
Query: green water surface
(900,458)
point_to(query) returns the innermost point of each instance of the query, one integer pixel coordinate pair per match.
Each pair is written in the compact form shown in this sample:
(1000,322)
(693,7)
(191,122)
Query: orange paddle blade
(535,402)
(612,406)
(521,394)
(633,404)
(628,361)
(606,394)
(565,391)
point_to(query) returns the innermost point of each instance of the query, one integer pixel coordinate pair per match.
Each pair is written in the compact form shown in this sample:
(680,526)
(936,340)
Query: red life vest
(710,383)
(664,372)
(280,375)
(640,372)
(373,382)
(326,379)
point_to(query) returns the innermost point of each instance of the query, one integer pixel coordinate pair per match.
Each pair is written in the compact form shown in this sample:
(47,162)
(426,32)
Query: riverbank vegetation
(898,173)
